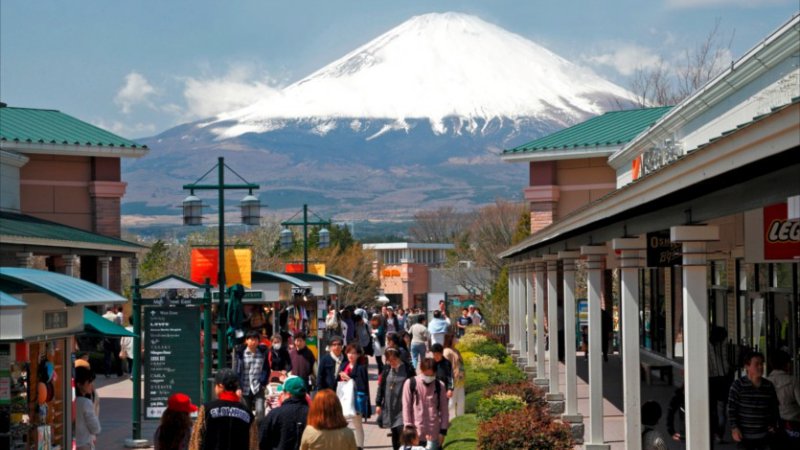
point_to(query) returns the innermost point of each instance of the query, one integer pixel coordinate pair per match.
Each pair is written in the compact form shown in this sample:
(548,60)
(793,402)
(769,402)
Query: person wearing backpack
(425,406)
(389,399)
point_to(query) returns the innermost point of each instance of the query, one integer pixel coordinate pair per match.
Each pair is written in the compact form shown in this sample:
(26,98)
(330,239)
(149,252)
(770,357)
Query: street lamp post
(193,215)
(324,234)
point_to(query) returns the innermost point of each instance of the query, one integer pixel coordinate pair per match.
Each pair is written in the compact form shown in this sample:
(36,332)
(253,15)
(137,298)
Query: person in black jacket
(330,365)
(279,361)
(389,399)
(224,423)
(284,426)
(443,368)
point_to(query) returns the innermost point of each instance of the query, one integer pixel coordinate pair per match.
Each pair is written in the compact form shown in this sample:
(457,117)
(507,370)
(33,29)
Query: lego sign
(781,236)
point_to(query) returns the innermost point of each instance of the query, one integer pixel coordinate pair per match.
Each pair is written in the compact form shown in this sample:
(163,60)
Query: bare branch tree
(437,226)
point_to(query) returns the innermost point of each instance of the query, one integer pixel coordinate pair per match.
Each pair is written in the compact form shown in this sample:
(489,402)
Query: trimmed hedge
(461,434)
(530,428)
(525,390)
(471,402)
(498,404)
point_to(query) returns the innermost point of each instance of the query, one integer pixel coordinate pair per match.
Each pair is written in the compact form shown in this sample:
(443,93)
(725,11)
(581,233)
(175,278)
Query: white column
(594,278)
(630,262)
(539,268)
(105,262)
(552,320)
(69,265)
(512,307)
(523,311)
(531,322)
(517,311)
(695,330)
(571,389)
(25,259)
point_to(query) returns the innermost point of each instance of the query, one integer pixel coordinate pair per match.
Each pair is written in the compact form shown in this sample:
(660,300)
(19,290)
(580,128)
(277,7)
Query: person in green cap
(284,425)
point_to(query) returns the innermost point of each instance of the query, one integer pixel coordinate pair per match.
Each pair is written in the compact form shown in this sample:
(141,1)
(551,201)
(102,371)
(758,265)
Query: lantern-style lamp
(192,210)
(251,210)
(324,238)
(286,239)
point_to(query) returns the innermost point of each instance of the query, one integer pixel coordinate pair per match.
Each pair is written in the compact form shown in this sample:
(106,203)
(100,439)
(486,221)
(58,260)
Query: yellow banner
(317,269)
(238,266)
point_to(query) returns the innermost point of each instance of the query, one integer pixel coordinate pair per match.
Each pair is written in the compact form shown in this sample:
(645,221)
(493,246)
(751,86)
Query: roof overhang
(763,152)
(172,282)
(72,291)
(75,247)
(95,324)
(261,276)
(340,278)
(13,159)
(38,148)
(407,246)
(559,154)
(9,301)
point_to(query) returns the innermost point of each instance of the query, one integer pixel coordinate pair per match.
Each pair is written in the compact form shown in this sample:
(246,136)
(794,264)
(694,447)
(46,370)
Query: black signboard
(661,251)
(171,356)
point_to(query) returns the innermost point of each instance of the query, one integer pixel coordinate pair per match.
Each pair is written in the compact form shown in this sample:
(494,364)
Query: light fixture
(286,239)
(251,210)
(192,210)
(324,238)
(381,297)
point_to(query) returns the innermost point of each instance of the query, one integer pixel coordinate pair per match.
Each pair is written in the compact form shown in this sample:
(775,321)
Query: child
(651,438)
(410,439)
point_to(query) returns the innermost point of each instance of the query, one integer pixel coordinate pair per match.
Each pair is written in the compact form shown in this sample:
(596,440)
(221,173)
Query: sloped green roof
(24,226)
(9,301)
(48,126)
(96,324)
(70,290)
(611,129)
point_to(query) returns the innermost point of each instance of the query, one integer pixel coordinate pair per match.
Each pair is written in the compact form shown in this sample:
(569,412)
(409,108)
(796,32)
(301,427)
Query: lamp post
(324,234)
(193,215)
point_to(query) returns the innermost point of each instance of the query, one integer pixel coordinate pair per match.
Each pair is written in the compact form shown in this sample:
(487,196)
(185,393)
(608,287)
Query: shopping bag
(346,391)
(43,439)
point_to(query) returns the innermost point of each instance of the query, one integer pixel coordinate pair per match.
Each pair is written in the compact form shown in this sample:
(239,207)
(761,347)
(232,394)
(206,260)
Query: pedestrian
(788,390)
(303,360)
(719,381)
(425,406)
(82,360)
(475,315)
(280,364)
(677,408)
(410,439)
(457,401)
(419,341)
(463,322)
(753,406)
(392,322)
(397,342)
(652,438)
(126,349)
(355,368)
(87,422)
(283,427)
(363,335)
(175,428)
(326,427)
(378,340)
(443,369)
(401,318)
(438,328)
(333,326)
(111,347)
(349,329)
(252,369)
(225,423)
(389,399)
(330,365)
(607,331)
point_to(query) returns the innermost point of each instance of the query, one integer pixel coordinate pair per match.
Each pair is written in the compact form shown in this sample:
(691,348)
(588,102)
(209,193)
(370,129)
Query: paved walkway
(116,395)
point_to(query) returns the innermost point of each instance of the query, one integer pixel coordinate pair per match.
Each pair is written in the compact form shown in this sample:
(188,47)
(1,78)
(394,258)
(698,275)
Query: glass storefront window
(677,312)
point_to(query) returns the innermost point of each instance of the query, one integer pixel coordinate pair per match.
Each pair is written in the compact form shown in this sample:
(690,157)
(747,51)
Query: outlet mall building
(697,215)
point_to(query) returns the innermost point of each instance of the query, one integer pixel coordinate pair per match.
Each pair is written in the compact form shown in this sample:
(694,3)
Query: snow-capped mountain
(414,119)
(433,67)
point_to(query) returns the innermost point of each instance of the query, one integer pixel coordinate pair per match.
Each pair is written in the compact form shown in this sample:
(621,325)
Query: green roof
(14,225)
(94,323)
(9,301)
(70,290)
(611,129)
(48,126)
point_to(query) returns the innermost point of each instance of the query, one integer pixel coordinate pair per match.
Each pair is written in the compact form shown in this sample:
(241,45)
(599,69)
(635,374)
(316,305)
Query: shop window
(652,310)
(677,313)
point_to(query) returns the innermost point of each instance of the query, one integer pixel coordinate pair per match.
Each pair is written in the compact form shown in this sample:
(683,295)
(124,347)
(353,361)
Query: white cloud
(238,88)
(137,90)
(625,58)
(693,4)
(126,130)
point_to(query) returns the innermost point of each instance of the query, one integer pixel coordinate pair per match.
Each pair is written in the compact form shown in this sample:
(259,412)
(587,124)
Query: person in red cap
(175,429)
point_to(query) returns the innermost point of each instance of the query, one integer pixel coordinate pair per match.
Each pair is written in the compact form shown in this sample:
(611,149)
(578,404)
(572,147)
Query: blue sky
(140,67)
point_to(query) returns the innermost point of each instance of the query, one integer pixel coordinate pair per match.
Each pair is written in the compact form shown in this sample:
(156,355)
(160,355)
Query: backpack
(415,395)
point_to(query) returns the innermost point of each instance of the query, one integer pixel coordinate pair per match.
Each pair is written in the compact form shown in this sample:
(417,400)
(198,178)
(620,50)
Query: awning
(315,277)
(259,276)
(340,278)
(72,291)
(172,282)
(94,323)
(9,301)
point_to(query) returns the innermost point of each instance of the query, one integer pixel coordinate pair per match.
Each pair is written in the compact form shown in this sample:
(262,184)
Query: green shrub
(482,362)
(528,428)
(498,404)
(467,357)
(491,348)
(506,373)
(471,402)
(525,390)
(462,434)
(475,380)
(470,341)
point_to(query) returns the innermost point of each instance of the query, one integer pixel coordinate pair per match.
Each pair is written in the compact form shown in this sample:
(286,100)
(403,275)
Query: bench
(650,364)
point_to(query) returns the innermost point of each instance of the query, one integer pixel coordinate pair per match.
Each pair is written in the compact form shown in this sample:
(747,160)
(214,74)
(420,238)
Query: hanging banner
(238,266)
(318,269)
(293,268)
(781,236)
(205,264)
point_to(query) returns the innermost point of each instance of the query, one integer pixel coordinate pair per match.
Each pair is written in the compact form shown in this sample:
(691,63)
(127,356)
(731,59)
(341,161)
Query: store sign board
(171,356)
(781,236)
(661,251)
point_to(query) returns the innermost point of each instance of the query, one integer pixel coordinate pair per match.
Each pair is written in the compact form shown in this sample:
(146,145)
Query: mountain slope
(413,119)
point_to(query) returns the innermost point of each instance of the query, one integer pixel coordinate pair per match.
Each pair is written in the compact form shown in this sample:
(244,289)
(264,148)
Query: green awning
(95,324)
(9,301)
(70,290)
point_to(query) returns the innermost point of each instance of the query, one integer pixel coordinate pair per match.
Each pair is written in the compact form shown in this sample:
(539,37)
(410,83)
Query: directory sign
(171,356)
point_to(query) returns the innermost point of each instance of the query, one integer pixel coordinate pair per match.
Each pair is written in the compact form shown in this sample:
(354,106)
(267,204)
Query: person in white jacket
(87,424)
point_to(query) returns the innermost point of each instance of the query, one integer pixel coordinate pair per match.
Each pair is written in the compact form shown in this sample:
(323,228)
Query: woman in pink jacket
(425,406)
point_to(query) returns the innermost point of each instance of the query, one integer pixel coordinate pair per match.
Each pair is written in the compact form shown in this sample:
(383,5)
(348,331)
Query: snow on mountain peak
(436,66)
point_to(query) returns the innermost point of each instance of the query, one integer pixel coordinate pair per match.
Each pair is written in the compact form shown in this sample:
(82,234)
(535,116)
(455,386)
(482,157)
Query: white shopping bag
(346,391)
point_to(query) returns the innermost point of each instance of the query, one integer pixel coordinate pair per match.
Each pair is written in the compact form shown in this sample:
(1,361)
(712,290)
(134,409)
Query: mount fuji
(412,120)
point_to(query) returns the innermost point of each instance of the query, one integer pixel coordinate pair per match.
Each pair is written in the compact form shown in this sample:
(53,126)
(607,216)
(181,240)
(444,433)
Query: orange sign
(293,268)
(205,264)
(391,273)
(316,268)
(238,270)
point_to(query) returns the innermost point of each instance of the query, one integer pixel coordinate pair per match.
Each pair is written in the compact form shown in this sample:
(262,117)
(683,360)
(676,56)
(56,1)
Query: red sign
(781,236)
(294,268)
(205,264)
